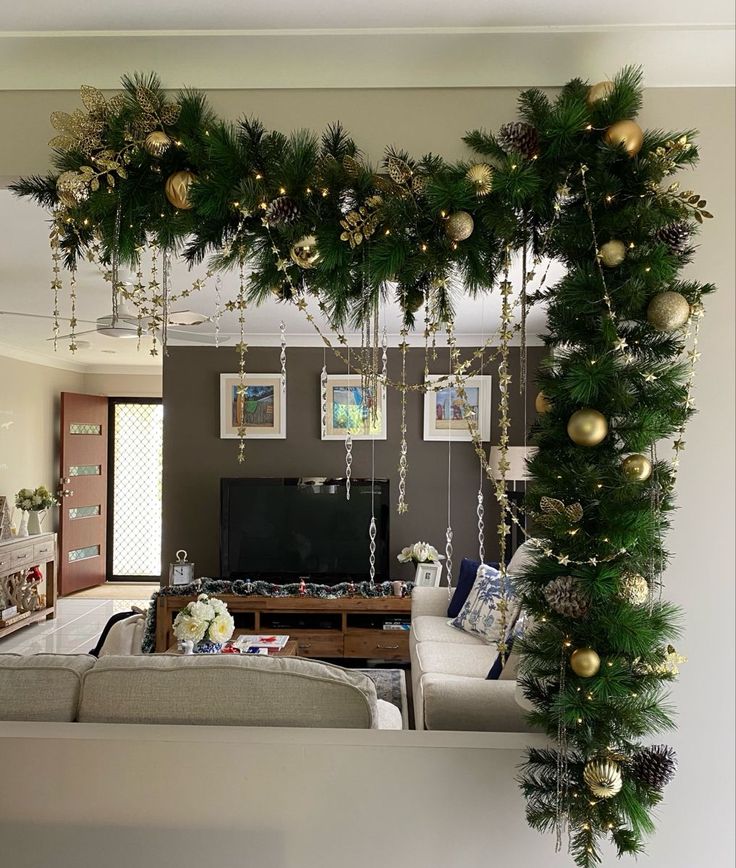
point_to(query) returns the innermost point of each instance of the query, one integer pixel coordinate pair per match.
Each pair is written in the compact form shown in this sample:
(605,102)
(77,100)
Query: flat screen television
(281,530)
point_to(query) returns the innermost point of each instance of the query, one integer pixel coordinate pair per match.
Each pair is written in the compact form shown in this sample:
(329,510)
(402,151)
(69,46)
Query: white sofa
(225,690)
(449,670)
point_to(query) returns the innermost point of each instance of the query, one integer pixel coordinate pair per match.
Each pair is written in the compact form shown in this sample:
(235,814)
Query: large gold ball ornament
(603,778)
(668,311)
(587,427)
(459,226)
(157,143)
(633,589)
(599,91)
(542,403)
(636,467)
(585,662)
(480,176)
(627,134)
(72,188)
(177,189)
(612,253)
(304,252)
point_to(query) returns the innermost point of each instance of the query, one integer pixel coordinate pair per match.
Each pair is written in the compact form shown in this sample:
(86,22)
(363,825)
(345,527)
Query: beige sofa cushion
(473,661)
(229,690)
(457,702)
(41,686)
(433,628)
(389,716)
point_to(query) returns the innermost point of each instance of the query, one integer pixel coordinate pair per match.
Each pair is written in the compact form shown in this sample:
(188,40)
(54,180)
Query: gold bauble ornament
(627,134)
(599,91)
(612,253)
(72,188)
(459,226)
(480,175)
(668,311)
(304,252)
(157,143)
(603,778)
(542,403)
(636,467)
(587,427)
(177,189)
(585,662)
(633,589)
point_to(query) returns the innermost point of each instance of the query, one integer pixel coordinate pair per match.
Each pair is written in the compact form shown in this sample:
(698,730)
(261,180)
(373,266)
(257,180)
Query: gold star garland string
(73,314)
(242,348)
(402,505)
(56,284)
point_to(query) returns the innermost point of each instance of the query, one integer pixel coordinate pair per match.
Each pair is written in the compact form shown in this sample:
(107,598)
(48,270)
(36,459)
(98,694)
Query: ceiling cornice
(672,56)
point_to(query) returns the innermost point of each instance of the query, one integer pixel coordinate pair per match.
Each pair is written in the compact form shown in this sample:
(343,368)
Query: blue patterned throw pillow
(480,614)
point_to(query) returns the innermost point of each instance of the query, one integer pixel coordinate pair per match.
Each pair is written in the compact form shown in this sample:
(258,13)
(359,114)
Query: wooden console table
(17,556)
(347,627)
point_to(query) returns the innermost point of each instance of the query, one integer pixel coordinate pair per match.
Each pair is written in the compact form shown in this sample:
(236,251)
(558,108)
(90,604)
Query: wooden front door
(83,492)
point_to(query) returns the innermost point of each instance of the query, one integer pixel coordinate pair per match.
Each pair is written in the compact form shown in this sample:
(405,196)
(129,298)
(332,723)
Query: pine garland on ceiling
(574,179)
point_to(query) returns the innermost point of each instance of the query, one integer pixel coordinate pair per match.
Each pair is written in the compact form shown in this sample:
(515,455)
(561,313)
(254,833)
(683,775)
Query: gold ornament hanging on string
(633,589)
(668,311)
(585,662)
(72,188)
(542,403)
(626,134)
(603,778)
(480,176)
(459,226)
(157,143)
(304,252)
(587,427)
(612,253)
(636,467)
(599,92)
(177,189)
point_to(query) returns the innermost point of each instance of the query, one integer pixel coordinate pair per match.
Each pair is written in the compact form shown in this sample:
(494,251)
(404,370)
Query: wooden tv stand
(347,627)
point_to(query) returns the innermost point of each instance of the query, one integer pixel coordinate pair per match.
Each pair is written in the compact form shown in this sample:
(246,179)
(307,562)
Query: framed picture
(263,406)
(443,409)
(428,575)
(349,407)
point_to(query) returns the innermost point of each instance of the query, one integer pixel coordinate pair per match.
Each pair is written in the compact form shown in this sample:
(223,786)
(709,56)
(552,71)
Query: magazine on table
(269,642)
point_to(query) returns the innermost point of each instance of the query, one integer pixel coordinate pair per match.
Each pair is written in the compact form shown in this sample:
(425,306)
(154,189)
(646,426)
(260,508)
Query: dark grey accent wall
(195,458)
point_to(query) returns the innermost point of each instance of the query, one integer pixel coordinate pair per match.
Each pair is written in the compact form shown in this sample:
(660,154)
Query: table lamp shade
(517,457)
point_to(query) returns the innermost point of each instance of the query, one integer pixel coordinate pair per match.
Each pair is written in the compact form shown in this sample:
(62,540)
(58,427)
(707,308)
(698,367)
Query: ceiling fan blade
(76,335)
(40,316)
(182,335)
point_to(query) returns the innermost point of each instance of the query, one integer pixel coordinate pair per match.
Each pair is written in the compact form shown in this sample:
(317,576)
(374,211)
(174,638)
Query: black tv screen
(281,530)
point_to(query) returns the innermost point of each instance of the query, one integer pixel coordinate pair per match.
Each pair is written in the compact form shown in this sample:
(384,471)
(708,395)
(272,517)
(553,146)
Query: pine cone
(282,210)
(519,137)
(676,236)
(566,597)
(655,766)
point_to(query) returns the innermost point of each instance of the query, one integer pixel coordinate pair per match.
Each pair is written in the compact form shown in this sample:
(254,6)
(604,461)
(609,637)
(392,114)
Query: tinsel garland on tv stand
(244,588)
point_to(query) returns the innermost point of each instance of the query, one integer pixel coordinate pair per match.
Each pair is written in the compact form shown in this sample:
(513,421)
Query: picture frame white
(344,403)
(439,404)
(268,412)
(428,575)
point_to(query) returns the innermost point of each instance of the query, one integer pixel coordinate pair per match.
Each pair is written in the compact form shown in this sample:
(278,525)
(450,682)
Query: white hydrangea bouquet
(419,553)
(206,623)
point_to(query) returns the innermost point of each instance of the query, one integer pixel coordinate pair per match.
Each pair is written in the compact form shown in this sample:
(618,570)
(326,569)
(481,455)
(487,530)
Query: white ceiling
(24,289)
(177,15)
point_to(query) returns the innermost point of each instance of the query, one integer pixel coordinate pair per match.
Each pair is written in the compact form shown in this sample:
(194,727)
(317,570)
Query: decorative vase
(23,526)
(35,520)
(207,647)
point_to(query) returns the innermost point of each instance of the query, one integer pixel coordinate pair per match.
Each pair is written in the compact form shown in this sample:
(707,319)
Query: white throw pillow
(125,637)
(480,615)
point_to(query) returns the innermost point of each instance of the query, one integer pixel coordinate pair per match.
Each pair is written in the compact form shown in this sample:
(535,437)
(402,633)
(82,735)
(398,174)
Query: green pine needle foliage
(562,193)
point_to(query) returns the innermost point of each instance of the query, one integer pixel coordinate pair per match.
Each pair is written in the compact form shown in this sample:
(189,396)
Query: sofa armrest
(429,601)
(460,702)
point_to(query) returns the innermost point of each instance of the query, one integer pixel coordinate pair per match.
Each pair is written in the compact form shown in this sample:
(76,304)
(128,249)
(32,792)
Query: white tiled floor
(75,629)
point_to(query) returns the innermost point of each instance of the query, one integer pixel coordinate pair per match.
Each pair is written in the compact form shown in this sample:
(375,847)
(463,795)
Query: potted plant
(427,560)
(32,503)
(204,625)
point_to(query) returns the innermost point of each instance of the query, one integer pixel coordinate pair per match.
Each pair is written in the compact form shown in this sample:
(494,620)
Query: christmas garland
(576,180)
(244,588)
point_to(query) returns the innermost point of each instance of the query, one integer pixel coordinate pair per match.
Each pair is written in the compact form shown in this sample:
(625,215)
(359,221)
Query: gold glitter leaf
(61,121)
(170,114)
(92,99)
(398,170)
(146,100)
(352,167)
(62,143)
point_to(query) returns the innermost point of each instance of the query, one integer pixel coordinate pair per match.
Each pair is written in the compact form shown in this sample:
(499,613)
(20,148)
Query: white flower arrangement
(419,553)
(34,500)
(204,619)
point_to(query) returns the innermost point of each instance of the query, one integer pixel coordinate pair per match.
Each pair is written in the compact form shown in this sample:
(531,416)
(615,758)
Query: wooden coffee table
(289,650)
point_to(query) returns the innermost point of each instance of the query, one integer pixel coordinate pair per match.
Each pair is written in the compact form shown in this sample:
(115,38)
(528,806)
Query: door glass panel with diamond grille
(137,431)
